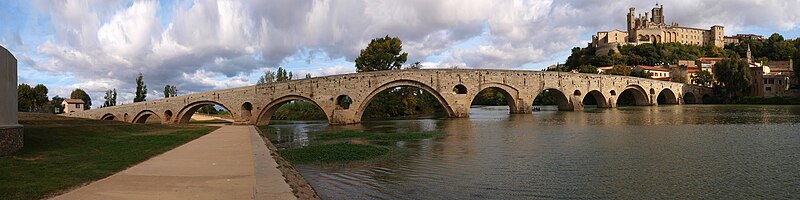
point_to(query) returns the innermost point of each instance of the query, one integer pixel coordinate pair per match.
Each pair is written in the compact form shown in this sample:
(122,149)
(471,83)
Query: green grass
(333,153)
(61,153)
(338,135)
(402,136)
(335,147)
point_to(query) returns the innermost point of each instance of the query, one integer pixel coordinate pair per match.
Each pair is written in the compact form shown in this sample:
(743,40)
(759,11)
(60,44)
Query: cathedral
(653,29)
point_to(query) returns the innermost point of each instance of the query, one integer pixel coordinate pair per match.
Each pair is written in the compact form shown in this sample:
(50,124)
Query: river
(686,151)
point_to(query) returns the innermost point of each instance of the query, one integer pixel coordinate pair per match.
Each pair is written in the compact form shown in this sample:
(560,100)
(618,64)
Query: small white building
(73,105)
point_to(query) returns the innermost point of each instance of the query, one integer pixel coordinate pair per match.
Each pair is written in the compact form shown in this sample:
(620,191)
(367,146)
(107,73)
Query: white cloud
(207,44)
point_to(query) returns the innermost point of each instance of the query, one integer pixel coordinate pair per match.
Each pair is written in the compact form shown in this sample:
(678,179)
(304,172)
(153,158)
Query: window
(77,105)
(769,89)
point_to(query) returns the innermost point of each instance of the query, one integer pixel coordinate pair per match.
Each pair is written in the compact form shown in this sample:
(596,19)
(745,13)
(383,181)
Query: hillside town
(651,48)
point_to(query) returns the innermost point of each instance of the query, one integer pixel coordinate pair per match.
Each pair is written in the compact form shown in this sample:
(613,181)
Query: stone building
(772,78)
(73,105)
(642,30)
(10,130)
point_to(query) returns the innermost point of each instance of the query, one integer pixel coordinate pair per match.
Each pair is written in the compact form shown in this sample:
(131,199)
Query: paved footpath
(220,165)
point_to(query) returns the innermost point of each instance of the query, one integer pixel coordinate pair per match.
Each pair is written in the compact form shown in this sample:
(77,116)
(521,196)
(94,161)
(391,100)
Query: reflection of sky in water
(691,151)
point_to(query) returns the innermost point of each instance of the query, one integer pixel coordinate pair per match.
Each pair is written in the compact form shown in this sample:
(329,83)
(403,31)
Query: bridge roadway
(455,90)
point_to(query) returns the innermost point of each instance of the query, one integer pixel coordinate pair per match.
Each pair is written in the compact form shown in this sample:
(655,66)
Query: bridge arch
(404,83)
(109,116)
(246,111)
(690,98)
(511,95)
(598,97)
(666,96)
(142,117)
(264,117)
(187,111)
(560,97)
(460,89)
(639,95)
(167,116)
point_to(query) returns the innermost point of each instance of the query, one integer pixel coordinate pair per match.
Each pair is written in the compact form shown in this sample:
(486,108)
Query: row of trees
(280,76)
(35,99)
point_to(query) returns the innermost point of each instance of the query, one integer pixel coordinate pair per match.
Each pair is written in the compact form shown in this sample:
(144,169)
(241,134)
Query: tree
(733,76)
(141,90)
(80,94)
(587,69)
(170,91)
(268,77)
(111,98)
(283,75)
(641,73)
(24,98)
(703,78)
(208,109)
(620,70)
(56,102)
(381,54)
(416,65)
(796,62)
(39,97)
(308,76)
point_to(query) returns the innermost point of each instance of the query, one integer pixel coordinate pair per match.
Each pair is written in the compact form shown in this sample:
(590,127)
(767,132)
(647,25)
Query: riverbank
(300,187)
(62,153)
(752,100)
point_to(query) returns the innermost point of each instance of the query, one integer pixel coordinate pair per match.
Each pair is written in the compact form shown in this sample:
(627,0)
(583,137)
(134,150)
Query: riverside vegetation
(62,153)
(344,147)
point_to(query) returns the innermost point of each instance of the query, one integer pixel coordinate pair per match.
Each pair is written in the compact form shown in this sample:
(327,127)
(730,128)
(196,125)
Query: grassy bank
(62,153)
(338,147)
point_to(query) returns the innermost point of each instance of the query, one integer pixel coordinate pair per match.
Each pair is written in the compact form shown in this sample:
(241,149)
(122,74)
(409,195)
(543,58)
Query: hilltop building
(740,37)
(642,30)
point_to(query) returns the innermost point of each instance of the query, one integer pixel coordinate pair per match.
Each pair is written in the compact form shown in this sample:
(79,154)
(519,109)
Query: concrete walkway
(220,165)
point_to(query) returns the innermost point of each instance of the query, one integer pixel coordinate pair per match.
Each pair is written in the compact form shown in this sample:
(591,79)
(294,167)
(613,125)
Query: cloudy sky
(204,45)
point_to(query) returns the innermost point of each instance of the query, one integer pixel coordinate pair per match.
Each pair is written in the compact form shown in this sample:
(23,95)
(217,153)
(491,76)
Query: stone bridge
(455,89)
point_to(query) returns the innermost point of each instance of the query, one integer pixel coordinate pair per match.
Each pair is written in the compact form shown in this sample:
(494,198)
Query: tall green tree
(733,76)
(111,98)
(24,98)
(170,91)
(703,78)
(141,90)
(32,99)
(381,54)
(283,75)
(40,96)
(80,94)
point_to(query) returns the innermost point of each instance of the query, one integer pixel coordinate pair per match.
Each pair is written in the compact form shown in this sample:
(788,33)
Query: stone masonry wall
(255,104)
